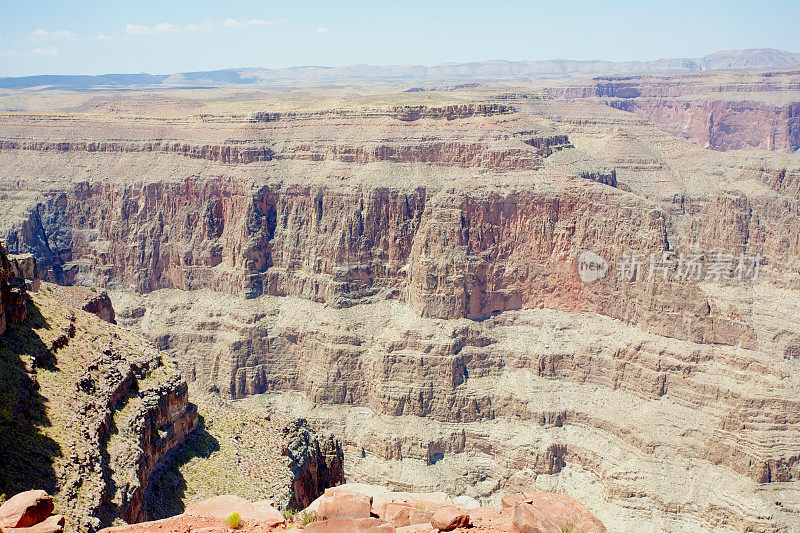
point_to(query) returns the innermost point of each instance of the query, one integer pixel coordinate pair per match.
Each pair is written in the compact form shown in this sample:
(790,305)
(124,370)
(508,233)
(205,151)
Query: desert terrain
(398,262)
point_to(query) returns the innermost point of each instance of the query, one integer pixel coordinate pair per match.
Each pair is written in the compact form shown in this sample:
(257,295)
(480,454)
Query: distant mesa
(752,59)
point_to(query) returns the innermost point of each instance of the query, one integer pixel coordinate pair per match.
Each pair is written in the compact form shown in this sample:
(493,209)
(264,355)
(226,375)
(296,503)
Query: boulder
(350,525)
(535,511)
(26,509)
(449,518)
(530,519)
(345,506)
(357,488)
(417,528)
(264,503)
(424,501)
(466,502)
(402,514)
(397,514)
(491,518)
(221,507)
(51,524)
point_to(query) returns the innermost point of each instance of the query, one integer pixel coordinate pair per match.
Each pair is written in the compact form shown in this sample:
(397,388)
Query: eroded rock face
(720,114)
(95,409)
(17,275)
(408,275)
(316,462)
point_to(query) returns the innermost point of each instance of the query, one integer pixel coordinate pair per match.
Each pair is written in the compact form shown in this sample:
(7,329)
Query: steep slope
(88,409)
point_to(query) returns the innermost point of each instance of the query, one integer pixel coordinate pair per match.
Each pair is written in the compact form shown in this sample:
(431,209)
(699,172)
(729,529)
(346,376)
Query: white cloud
(105,38)
(259,22)
(42,35)
(159,29)
(165,28)
(206,26)
(322,29)
(49,51)
(231,23)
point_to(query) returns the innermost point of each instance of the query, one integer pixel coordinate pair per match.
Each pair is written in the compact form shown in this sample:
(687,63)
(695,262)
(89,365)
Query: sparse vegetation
(289,514)
(569,527)
(234,521)
(232,452)
(306,517)
(420,507)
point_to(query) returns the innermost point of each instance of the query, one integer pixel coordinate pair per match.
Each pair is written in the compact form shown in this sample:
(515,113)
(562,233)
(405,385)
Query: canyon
(400,268)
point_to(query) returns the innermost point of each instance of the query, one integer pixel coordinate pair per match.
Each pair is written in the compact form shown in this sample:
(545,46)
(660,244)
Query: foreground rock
(252,514)
(26,509)
(360,508)
(30,512)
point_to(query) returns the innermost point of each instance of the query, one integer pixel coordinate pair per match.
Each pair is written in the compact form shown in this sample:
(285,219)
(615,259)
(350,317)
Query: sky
(166,36)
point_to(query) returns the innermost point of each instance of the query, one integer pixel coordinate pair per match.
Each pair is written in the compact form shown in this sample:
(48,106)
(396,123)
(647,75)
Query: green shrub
(234,521)
(306,517)
(288,514)
(570,528)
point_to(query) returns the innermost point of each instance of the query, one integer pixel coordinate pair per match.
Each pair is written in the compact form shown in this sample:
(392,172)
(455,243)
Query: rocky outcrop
(453,112)
(316,462)
(101,306)
(547,145)
(219,153)
(723,125)
(360,508)
(18,274)
(92,412)
(89,299)
(748,113)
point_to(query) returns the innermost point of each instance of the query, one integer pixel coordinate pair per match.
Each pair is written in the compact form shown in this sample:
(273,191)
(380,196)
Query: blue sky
(160,37)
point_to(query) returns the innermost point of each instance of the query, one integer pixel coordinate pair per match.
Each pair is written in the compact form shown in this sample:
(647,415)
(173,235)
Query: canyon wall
(405,272)
(449,254)
(739,113)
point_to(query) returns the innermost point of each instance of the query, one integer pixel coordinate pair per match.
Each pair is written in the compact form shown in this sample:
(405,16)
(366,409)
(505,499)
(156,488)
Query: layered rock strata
(719,111)
(415,284)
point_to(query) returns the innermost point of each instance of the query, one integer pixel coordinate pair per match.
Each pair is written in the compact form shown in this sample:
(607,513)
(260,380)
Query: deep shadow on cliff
(26,453)
(316,462)
(167,489)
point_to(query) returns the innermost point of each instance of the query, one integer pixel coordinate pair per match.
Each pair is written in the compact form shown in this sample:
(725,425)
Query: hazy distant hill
(756,59)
